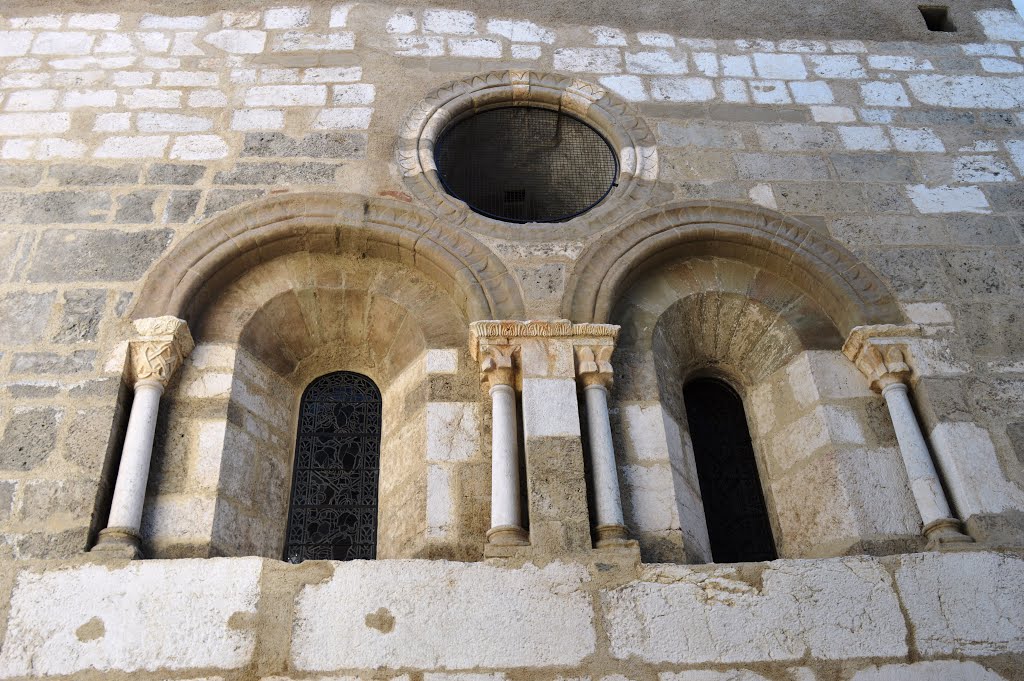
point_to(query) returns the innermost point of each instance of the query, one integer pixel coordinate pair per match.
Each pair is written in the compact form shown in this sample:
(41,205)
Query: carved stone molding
(593,364)
(493,330)
(633,141)
(879,353)
(161,348)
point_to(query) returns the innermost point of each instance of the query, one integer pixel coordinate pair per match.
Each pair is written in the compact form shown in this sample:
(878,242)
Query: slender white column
(162,346)
(133,473)
(506,505)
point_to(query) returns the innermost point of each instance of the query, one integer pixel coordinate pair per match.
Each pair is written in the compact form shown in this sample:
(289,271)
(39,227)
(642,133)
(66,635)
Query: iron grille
(333,512)
(525,164)
(734,505)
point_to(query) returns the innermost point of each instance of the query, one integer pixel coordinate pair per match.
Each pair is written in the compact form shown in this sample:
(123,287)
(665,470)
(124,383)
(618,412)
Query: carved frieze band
(161,348)
(492,329)
(880,354)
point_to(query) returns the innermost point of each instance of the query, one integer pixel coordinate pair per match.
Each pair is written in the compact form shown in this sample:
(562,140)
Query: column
(594,372)
(506,507)
(154,356)
(885,366)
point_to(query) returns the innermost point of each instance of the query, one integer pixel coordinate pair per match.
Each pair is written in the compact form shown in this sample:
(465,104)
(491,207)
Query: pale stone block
(520,31)
(981,169)
(1001,65)
(832,114)
(643,427)
(550,407)
(630,88)
(24,80)
(114,43)
(286,17)
(835,377)
(848,46)
(705,675)
(132,78)
(441,361)
(133,147)
(988,49)
(737,66)
(76,99)
(155,21)
(734,91)
(401,22)
(25,64)
(437,676)
(838,66)
(971,470)
(655,39)
(706,63)
(1016,151)
(811,92)
(34,124)
(184,45)
(652,498)
(18,149)
(826,426)
(240,19)
(947,199)
(507,618)
(14,43)
(60,148)
(682,89)
(257,119)
(238,41)
(152,41)
(339,15)
(439,502)
(659,62)
(588,60)
(210,385)
(271,76)
(340,74)
(189,79)
(286,95)
(42,21)
(31,100)
(916,140)
(121,604)
(928,313)
(780,66)
(526,51)
(879,93)
(947,670)
(484,48)
(863,138)
(355,118)
(153,99)
(727,619)
(199,148)
(963,603)
(112,122)
(607,36)
(453,431)
(202,99)
(213,355)
(165,122)
(968,92)
(206,461)
(298,41)
(418,46)
(769,92)
(449,21)
(762,195)
(1001,24)
(65,42)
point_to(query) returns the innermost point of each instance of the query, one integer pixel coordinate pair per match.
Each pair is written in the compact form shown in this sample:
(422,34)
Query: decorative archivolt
(848,292)
(633,141)
(217,253)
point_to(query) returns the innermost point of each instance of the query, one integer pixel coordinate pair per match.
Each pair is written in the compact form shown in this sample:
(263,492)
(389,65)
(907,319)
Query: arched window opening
(737,517)
(333,510)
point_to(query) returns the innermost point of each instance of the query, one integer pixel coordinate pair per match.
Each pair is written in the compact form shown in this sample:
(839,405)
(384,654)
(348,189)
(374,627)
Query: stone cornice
(499,331)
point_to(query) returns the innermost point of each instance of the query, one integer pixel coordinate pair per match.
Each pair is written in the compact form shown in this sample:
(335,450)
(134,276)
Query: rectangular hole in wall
(936,17)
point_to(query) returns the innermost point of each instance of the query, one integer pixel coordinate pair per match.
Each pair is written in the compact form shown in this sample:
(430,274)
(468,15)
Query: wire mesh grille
(525,164)
(333,512)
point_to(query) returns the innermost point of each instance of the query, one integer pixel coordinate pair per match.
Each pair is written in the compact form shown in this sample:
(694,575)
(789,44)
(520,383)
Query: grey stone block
(54,207)
(896,230)
(339,145)
(1006,198)
(67,174)
(984,273)
(42,499)
(992,330)
(52,363)
(699,134)
(543,281)
(91,255)
(914,116)
(135,208)
(997,119)
(819,198)
(874,167)
(277,173)
(779,166)
(735,113)
(981,230)
(181,205)
(795,137)
(885,198)
(83,310)
(174,173)
(912,273)
(124,299)
(726,191)
(28,439)
(7,490)
(23,317)
(53,545)
(33,390)
(218,200)
(20,175)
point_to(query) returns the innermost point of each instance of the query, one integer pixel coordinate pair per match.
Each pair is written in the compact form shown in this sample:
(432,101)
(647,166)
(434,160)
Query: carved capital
(497,364)
(880,354)
(593,364)
(161,347)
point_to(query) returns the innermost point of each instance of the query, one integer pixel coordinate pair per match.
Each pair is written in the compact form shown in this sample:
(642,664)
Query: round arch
(209,259)
(848,292)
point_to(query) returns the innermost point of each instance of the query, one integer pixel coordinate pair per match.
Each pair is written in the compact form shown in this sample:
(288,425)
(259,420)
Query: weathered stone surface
(681,616)
(135,208)
(29,438)
(506,617)
(81,315)
(78,174)
(87,255)
(96,618)
(174,173)
(181,205)
(53,363)
(277,173)
(20,175)
(339,145)
(24,316)
(947,670)
(54,207)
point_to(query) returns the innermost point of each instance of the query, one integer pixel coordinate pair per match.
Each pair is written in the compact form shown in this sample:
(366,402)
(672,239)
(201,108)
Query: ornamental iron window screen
(525,164)
(333,511)
(737,518)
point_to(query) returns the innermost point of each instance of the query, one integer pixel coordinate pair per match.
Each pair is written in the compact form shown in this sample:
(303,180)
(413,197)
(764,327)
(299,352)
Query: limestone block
(1001,24)
(679,615)
(441,361)
(644,432)
(178,519)
(439,502)
(967,457)
(588,60)
(528,617)
(947,670)
(963,603)
(948,199)
(651,498)
(95,618)
(968,92)
(550,407)
(453,431)
(704,675)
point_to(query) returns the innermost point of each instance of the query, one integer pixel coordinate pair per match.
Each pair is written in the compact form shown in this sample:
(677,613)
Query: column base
(507,535)
(119,542)
(945,534)
(612,536)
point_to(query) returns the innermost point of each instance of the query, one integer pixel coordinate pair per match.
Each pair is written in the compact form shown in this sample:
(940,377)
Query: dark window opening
(333,511)
(936,17)
(525,164)
(734,505)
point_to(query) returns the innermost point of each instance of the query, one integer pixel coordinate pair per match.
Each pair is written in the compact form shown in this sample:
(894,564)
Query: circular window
(525,164)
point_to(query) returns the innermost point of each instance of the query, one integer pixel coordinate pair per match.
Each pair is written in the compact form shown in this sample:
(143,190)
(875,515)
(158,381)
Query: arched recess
(849,293)
(354,285)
